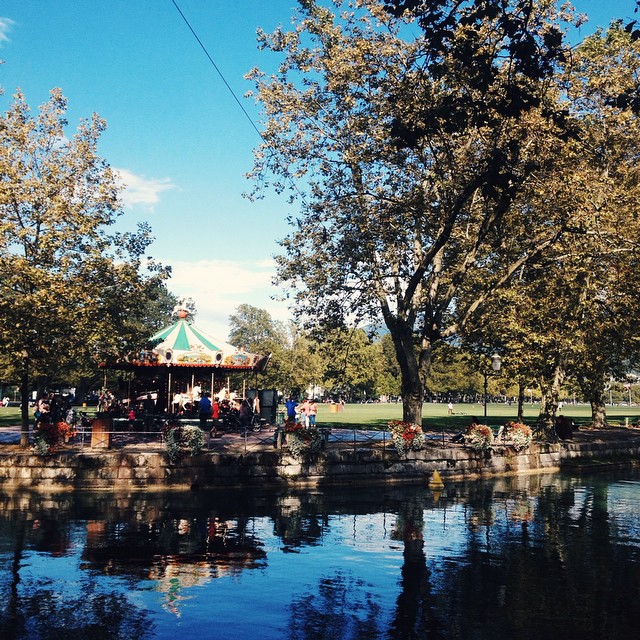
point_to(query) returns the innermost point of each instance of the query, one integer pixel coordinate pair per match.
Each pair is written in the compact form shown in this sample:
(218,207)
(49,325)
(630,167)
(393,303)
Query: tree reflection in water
(527,557)
(37,610)
(342,608)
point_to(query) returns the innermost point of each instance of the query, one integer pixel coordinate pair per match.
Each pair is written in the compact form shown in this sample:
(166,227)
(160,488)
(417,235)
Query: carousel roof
(182,344)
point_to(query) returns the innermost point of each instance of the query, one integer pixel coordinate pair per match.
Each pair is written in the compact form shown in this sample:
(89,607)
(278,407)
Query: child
(132,418)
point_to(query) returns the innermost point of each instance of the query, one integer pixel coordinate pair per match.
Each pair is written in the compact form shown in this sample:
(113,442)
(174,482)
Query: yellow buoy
(436,481)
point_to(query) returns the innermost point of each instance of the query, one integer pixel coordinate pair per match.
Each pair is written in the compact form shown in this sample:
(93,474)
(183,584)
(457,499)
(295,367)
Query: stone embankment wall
(126,470)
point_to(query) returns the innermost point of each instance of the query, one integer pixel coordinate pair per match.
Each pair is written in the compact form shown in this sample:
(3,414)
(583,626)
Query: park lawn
(435,415)
(10,416)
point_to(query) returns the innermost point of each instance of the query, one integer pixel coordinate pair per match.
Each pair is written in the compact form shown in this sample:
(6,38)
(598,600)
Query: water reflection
(522,557)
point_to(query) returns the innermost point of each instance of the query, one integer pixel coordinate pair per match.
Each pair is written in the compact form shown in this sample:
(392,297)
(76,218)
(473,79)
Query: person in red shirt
(215,414)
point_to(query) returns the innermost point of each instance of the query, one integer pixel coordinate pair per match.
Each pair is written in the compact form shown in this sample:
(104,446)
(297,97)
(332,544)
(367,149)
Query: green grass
(10,416)
(435,417)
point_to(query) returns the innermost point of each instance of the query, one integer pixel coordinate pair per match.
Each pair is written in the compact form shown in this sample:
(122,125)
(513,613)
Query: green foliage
(453,371)
(417,149)
(479,437)
(354,364)
(70,292)
(302,441)
(571,312)
(406,436)
(182,440)
(256,331)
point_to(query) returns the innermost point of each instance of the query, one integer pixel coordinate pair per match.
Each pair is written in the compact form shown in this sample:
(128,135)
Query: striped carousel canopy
(183,344)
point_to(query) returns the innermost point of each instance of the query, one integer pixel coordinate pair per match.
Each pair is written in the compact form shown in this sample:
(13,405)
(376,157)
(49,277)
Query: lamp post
(496,364)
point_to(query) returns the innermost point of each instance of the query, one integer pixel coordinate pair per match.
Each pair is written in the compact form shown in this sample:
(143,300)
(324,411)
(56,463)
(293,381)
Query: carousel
(183,362)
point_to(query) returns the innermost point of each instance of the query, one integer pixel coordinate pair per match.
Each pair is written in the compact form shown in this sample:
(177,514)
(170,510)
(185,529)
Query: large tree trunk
(598,412)
(413,370)
(593,389)
(521,399)
(24,406)
(549,403)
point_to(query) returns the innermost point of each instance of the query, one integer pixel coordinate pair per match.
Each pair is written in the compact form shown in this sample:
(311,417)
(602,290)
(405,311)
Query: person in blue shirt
(205,410)
(291,405)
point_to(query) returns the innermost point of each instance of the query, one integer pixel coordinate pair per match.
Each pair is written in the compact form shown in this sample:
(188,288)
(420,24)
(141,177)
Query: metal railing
(246,440)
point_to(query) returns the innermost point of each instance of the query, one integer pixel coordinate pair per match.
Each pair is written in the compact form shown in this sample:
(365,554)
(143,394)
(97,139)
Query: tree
(255,330)
(300,366)
(572,312)
(153,309)
(354,364)
(69,291)
(389,382)
(416,153)
(607,66)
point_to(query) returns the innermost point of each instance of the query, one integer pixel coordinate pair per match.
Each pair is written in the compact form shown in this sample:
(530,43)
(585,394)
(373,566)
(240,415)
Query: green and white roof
(183,344)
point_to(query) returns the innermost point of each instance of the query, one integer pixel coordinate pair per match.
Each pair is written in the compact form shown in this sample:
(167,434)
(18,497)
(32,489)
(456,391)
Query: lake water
(540,556)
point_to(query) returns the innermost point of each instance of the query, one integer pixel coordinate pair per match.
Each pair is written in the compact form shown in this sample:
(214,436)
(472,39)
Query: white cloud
(218,287)
(5,27)
(139,190)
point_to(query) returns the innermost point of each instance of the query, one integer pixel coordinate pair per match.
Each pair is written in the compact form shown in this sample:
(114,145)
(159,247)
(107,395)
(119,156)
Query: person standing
(204,410)
(132,418)
(43,411)
(304,412)
(215,416)
(148,408)
(245,413)
(313,412)
(291,405)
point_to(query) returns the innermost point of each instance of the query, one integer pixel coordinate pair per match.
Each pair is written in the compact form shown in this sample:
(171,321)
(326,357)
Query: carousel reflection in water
(524,557)
(176,554)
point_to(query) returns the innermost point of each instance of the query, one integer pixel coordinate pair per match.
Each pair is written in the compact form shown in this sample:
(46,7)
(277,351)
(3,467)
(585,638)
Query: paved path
(9,435)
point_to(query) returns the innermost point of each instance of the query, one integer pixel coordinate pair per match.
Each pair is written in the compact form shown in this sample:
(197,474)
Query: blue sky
(175,132)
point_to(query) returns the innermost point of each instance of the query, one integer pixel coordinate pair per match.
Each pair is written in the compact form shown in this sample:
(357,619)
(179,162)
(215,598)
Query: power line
(231,91)
(215,66)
